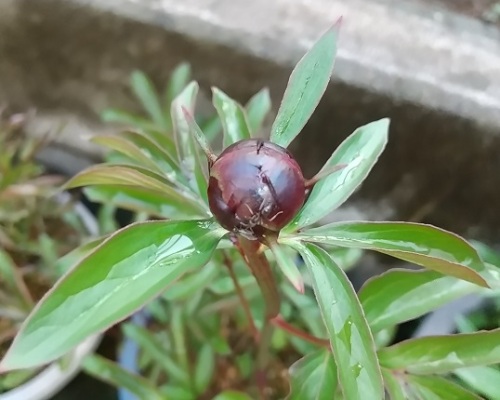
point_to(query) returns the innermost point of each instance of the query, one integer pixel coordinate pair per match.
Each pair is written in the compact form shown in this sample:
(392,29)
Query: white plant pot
(54,377)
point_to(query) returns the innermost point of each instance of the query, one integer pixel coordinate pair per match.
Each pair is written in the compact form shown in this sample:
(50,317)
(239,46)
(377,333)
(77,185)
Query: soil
(480,9)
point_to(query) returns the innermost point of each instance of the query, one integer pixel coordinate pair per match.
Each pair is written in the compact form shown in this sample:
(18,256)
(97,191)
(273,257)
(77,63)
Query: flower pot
(51,379)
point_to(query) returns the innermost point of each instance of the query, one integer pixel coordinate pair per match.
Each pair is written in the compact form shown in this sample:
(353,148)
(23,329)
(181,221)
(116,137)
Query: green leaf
(483,380)
(164,155)
(193,283)
(358,153)
(232,395)
(112,373)
(393,386)
(487,253)
(187,148)
(143,178)
(232,116)
(204,368)
(197,133)
(424,245)
(441,354)
(128,149)
(139,199)
(438,388)
(349,334)
(155,349)
(179,79)
(122,117)
(287,265)
(402,295)
(72,258)
(313,377)
(126,271)
(146,93)
(257,109)
(305,88)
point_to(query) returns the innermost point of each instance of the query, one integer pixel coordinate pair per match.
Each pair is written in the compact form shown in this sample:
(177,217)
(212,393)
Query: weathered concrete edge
(441,67)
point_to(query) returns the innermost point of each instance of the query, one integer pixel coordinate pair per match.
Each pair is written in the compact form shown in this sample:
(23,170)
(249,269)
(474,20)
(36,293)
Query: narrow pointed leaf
(304,90)
(128,149)
(122,117)
(179,79)
(112,373)
(138,199)
(127,270)
(232,116)
(128,175)
(313,377)
(72,258)
(192,284)
(395,389)
(146,93)
(402,295)
(438,388)
(420,244)
(441,354)
(232,395)
(349,334)
(359,153)
(197,133)
(288,266)
(257,109)
(191,162)
(204,371)
(484,380)
(155,350)
(163,155)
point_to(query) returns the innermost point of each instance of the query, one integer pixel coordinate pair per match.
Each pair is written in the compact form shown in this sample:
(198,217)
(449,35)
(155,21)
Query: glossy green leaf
(420,244)
(257,109)
(122,274)
(313,377)
(128,175)
(232,116)
(349,334)
(192,163)
(128,149)
(438,388)
(287,264)
(441,354)
(304,90)
(156,351)
(395,389)
(177,392)
(232,395)
(484,380)
(204,370)
(402,295)
(358,154)
(146,93)
(112,373)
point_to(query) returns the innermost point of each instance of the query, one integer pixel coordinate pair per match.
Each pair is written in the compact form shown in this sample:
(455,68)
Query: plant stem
(246,307)
(281,323)
(261,269)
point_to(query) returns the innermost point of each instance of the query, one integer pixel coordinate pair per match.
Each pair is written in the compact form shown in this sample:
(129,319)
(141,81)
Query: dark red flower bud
(255,187)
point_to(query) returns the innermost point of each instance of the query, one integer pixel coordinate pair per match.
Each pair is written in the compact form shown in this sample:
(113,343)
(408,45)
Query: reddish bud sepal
(255,187)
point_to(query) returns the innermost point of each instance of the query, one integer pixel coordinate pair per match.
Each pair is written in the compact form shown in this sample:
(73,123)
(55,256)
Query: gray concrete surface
(436,75)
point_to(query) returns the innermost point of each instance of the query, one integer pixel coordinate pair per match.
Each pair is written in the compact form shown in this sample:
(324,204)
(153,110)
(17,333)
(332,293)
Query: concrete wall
(436,75)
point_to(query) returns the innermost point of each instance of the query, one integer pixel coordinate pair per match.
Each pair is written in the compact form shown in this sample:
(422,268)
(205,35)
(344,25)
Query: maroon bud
(255,187)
